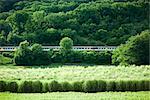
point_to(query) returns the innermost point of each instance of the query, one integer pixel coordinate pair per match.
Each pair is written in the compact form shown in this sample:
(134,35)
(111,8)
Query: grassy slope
(78,96)
(75,73)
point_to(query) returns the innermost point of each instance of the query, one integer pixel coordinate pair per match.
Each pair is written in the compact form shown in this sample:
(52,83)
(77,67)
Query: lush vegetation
(5,60)
(90,86)
(135,51)
(35,55)
(74,73)
(86,22)
(78,96)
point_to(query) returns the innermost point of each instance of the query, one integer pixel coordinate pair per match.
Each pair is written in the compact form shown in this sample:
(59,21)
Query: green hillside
(87,22)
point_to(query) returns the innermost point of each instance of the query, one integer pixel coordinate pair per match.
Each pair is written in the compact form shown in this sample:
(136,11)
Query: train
(76,48)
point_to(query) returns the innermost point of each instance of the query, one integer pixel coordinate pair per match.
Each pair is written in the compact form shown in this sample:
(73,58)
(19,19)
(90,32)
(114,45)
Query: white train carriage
(77,48)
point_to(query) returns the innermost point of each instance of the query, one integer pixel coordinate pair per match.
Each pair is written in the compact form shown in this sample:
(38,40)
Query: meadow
(74,73)
(77,96)
(57,78)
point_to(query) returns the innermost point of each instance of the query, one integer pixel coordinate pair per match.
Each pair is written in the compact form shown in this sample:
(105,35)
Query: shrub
(12,87)
(146,86)
(2,86)
(39,56)
(103,58)
(66,87)
(45,87)
(54,86)
(5,60)
(90,86)
(139,85)
(77,86)
(101,86)
(26,87)
(120,85)
(110,86)
(131,85)
(37,87)
(23,55)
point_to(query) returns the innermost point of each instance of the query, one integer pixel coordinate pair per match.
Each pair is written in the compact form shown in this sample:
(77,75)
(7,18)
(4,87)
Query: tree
(2,40)
(39,56)
(68,33)
(135,51)
(23,55)
(14,38)
(18,20)
(66,44)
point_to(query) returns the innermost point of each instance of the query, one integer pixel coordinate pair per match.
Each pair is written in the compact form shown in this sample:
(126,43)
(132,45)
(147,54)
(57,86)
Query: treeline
(36,56)
(90,86)
(87,23)
(135,51)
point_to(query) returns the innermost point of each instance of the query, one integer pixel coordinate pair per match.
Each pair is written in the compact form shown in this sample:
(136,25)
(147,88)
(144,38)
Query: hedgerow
(90,86)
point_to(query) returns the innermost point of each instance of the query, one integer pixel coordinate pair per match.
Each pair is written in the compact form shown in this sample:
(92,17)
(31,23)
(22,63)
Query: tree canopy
(86,22)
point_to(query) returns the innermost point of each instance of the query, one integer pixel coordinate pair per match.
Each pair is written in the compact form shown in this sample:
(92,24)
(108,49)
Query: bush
(54,86)
(146,86)
(2,86)
(45,87)
(110,86)
(26,87)
(90,86)
(66,87)
(103,58)
(120,86)
(37,87)
(12,87)
(77,86)
(5,60)
(101,86)
(23,55)
(39,56)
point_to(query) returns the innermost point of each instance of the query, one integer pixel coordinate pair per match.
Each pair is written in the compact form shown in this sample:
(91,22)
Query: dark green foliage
(110,86)
(66,87)
(33,55)
(23,55)
(121,86)
(2,86)
(12,87)
(77,86)
(135,51)
(66,44)
(39,57)
(37,87)
(146,85)
(45,87)
(54,86)
(87,22)
(91,86)
(5,60)
(26,87)
(101,86)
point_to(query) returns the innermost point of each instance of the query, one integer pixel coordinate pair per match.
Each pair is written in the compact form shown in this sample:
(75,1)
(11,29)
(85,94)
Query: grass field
(75,73)
(77,96)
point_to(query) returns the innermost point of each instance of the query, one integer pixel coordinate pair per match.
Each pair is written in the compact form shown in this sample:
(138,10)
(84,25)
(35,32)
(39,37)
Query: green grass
(75,73)
(77,96)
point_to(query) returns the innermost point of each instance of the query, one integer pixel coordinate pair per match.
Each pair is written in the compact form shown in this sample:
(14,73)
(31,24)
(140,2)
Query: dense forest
(86,22)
